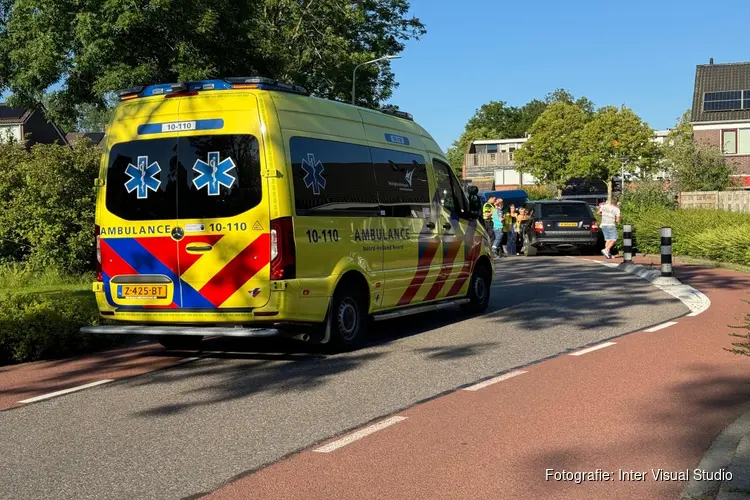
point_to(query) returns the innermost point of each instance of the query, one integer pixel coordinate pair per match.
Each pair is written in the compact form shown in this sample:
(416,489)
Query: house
(489,164)
(15,123)
(721,111)
(95,138)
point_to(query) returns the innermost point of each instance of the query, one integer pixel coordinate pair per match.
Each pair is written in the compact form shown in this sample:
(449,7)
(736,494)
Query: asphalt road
(189,429)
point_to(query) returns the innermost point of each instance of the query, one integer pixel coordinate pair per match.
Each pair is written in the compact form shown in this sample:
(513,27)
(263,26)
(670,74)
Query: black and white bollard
(627,244)
(666,252)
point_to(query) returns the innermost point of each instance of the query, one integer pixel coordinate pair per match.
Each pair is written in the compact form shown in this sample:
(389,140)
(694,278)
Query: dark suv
(559,225)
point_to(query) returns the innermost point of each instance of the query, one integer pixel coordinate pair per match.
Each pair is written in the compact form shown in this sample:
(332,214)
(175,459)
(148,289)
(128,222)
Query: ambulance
(245,207)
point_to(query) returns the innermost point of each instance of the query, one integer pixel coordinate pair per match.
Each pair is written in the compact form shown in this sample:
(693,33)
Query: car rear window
(187,177)
(569,210)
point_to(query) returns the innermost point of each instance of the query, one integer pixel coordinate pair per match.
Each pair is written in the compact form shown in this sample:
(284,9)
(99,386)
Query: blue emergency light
(175,89)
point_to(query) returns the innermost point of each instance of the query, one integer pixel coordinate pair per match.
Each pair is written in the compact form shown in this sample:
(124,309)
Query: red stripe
(112,264)
(163,248)
(234,275)
(467,267)
(169,306)
(445,270)
(423,270)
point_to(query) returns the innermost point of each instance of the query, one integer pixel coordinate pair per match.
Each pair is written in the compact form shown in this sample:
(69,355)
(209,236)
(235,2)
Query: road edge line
(360,434)
(50,395)
(592,348)
(494,380)
(662,326)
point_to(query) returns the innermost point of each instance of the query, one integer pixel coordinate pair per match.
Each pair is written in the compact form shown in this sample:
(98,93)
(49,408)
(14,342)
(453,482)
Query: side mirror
(475,204)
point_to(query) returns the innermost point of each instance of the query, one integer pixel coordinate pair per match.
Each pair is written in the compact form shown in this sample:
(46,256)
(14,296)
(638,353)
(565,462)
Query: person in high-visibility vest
(487,210)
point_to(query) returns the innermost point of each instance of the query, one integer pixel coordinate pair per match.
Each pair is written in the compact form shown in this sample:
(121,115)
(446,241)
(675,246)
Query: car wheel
(181,342)
(479,290)
(528,250)
(349,317)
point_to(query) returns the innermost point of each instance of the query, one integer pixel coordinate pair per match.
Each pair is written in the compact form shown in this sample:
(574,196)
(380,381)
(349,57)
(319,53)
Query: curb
(693,299)
(729,452)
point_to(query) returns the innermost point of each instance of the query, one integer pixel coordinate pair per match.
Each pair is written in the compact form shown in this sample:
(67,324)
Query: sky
(638,53)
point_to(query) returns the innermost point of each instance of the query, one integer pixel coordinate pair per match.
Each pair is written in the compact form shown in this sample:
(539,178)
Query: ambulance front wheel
(479,290)
(181,342)
(349,315)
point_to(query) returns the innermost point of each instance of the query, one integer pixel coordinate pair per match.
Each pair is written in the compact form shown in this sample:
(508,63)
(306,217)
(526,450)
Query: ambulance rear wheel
(181,342)
(349,316)
(479,290)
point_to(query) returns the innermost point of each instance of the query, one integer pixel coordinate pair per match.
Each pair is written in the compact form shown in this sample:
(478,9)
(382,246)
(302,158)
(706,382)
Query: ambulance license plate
(141,291)
(568,224)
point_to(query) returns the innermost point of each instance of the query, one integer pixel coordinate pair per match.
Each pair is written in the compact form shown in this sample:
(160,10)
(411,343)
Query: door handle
(199,248)
(447,226)
(430,225)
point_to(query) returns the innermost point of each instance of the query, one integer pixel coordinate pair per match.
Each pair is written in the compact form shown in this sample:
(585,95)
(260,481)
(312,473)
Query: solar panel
(723,101)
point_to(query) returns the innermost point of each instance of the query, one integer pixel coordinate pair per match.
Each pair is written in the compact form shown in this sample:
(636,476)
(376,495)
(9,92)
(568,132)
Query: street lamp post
(623,161)
(354,73)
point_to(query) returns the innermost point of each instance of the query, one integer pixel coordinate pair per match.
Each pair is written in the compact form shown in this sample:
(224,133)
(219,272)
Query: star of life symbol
(313,174)
(214,174)
(142,177)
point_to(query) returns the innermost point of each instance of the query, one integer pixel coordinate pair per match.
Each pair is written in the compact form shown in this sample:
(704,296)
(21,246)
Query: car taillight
(594,226)
(283,254)
(98,253)
(538,226)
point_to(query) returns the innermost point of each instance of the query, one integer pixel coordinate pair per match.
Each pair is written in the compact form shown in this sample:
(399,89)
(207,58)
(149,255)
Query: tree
(554,137)
(611,136)
(694,166)
(98,47)
(497,120)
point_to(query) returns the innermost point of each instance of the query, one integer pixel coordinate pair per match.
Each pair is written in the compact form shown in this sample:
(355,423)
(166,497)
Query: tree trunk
(609,190)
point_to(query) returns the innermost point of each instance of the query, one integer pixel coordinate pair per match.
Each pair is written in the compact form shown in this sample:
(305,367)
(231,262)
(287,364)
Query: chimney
(711,61)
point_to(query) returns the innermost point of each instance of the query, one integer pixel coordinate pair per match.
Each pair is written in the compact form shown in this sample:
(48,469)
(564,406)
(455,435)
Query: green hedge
(45,325)
(705,234)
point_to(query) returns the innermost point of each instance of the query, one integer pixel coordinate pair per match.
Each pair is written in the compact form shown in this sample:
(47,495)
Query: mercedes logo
(177,233)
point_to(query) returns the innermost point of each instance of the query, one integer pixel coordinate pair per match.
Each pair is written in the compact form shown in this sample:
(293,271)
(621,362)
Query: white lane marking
(591,349)
(660,327)
(65,391)
(187,360)
(335,445)
(143,342)
(494,380)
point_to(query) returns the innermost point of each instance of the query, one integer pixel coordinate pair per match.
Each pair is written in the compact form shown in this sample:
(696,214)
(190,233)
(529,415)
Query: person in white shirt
(610,213)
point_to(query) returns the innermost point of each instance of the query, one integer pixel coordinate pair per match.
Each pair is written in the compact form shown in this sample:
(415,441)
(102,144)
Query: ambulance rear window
(198,177)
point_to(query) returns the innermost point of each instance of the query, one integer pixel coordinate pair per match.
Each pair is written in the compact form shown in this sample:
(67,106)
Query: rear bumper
(544,240)
(180,330)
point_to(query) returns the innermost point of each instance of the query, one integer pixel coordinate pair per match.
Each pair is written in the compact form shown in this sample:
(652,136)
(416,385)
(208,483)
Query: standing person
(487,210)
(510,221)
(497,220)
(522,217)
(610,213)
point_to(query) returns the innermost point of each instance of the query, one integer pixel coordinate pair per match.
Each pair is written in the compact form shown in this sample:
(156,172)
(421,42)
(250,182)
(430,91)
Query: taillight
(538,226)
(98,253)
(594,226)
(283,254)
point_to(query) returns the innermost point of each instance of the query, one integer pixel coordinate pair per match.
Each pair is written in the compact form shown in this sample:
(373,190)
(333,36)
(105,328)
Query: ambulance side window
(451,195)
(332,178)
(403,188)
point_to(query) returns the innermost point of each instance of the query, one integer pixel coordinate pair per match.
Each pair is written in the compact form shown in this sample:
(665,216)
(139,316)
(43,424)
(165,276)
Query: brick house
(721,112)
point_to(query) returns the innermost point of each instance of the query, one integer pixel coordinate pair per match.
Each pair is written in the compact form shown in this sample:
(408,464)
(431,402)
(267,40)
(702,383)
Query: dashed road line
(494,380)
(335,445)
(65,391)
(591,349)
(660,327)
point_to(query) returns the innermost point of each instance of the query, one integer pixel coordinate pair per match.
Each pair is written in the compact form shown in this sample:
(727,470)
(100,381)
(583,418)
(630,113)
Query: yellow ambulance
(246,207)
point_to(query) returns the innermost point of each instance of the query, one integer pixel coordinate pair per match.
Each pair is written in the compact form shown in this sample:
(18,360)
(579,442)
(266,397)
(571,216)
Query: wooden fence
(732,201)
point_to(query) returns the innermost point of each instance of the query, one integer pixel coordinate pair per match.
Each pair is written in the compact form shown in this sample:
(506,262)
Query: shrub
(48,200)
(644,196)
(539,192)
(41,326)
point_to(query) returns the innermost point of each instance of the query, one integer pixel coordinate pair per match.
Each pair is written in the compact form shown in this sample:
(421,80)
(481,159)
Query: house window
(743,141)
(729,142)
(492,148)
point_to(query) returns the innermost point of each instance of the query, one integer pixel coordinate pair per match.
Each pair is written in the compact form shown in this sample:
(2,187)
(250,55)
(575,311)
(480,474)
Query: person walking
(610,213)
(511,218)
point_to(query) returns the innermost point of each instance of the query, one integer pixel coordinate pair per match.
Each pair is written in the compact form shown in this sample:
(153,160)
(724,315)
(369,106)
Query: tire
(349,317)
(528,250)
(479,291)
(181,342)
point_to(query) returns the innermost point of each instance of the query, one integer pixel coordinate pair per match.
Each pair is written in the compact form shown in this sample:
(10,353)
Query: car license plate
(141,291)
(568,224)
